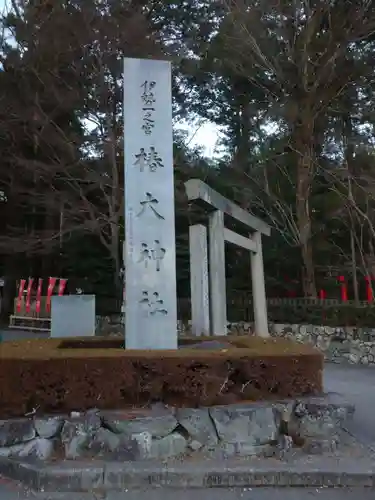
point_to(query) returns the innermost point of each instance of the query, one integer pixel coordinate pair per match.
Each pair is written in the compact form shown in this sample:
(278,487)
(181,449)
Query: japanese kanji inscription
(153,303)
(155,253)
(148,160)
(149,202)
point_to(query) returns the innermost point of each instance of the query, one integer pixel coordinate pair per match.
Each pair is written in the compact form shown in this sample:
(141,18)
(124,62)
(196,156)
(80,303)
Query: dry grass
(253,347)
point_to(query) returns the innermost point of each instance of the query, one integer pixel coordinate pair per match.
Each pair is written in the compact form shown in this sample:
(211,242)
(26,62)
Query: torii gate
(212,307)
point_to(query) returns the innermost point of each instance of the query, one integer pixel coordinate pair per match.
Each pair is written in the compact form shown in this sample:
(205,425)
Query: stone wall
(110,325)
(340,344)
(160,432)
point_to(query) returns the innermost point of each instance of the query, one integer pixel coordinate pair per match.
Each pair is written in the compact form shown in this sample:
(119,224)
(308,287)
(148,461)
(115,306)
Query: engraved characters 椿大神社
(151,160)
(153,304)
(150,202)
(156,254)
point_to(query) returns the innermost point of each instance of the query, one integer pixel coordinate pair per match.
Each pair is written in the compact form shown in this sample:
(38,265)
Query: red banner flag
(369,292)
(51,286)
(20,294)
(28,295)
(62,285)
(38,295)
(344,290)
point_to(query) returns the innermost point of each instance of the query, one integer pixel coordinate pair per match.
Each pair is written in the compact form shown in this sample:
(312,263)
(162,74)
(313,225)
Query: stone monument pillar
(150,247)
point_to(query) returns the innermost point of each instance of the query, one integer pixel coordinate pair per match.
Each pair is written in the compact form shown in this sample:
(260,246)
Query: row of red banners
(344,289)
(51,285)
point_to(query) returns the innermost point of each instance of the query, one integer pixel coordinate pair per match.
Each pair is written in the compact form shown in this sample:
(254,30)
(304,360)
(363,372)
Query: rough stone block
(284,446)
(313,427)
(331,404)
(198,424)
(158,426)
(279,329)
(76,446)
(253,424)
(168,446)
(194,445)
(77,433)
(143,442)
(8,451)
(320,446)
(321,417)
(38,448)
(16,431)
(135,447)
(48,427)
(109,446)
(91,420)
(103,442)
(283,411)
(106,444)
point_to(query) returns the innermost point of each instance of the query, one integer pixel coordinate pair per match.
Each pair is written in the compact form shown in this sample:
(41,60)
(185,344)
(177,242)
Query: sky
(205,134)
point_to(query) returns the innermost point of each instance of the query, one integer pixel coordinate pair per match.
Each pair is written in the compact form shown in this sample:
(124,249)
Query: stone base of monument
(33,449)
(60,376)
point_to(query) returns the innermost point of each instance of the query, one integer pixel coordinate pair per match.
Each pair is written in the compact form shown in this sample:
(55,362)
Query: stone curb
(162,432)
(114,476)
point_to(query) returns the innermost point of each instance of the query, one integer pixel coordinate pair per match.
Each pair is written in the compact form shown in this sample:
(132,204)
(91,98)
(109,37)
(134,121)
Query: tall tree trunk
(354,262)
(243,124)
(305,166)
(10,289)
(348,142)
(117,260)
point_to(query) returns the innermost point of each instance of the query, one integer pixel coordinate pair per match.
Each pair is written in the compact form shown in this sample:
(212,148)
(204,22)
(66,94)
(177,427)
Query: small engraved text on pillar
(148,101)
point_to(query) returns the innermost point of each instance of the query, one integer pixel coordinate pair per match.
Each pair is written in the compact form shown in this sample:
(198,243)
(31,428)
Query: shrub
(57,378)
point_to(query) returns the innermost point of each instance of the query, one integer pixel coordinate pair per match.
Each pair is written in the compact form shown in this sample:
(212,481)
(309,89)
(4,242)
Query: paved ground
(11,490)
(357,384)
(206,494)
(15,334)
(254,494)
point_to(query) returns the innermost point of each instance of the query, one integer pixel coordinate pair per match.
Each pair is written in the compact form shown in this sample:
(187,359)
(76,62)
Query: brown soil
(54,377)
